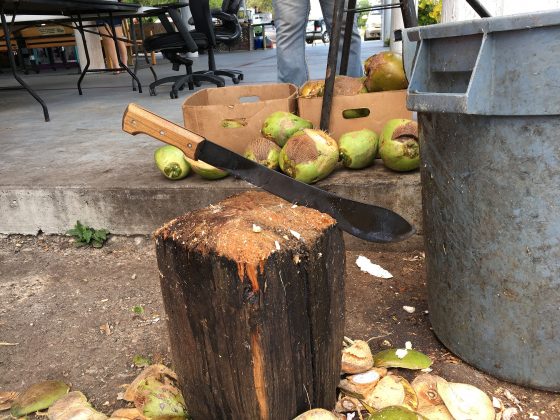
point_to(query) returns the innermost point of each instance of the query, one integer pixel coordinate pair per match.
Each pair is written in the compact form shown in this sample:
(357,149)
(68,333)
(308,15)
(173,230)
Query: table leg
(145,52)
(14,70)
(80,27)
(121,64)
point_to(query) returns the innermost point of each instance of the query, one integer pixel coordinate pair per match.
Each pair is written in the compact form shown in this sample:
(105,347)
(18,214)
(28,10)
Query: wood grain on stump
(254,291)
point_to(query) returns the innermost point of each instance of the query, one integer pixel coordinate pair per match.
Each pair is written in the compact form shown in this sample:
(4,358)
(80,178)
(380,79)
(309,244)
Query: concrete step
(140,208)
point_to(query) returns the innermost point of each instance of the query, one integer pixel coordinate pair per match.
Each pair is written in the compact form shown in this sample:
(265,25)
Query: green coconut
(281,125)
(384,71)
(38,397)
(264,152)
(170,160)
(309,156)
(401,358)
(395,413)
(160,401)
(358,148)
(398,145)
(205,170)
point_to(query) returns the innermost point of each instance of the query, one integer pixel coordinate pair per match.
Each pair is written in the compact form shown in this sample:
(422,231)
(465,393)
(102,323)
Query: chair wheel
(220,84)
(235,80)
(240,77)
(197,84)
(173,94)
(153,92)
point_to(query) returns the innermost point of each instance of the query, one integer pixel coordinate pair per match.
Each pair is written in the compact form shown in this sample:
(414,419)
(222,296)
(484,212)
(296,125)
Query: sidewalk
(81,166)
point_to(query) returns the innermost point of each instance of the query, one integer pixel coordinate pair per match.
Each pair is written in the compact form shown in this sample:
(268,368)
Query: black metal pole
(408,8)
(348,29)
(331,64)
(14,69)
(80,26)
(479,8)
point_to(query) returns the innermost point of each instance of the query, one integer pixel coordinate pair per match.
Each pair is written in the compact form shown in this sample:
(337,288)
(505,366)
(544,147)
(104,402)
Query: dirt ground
(67,313)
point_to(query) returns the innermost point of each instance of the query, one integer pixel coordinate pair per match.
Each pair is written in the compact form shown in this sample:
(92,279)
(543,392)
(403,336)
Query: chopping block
(253,288)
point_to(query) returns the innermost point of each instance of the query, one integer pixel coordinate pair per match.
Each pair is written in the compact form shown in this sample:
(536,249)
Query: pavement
(81,166)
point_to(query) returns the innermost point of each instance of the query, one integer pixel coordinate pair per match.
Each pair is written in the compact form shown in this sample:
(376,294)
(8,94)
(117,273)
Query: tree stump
(254,291)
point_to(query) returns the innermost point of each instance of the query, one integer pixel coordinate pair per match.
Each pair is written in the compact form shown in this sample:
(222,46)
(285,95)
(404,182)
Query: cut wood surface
(254,291)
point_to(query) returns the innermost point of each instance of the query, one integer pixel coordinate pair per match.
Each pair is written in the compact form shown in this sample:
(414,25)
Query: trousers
(290,19)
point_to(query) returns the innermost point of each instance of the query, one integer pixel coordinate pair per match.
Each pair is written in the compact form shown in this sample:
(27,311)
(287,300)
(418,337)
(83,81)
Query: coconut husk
(357,358)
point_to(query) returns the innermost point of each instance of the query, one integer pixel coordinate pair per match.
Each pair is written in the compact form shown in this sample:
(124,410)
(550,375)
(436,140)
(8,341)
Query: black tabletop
(64,7)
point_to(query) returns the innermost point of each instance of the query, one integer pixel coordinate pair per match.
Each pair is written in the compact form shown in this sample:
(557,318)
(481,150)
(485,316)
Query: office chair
(173,44)
(228,32)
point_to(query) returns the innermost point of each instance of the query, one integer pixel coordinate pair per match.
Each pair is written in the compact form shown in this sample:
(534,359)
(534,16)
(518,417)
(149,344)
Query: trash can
(487,93)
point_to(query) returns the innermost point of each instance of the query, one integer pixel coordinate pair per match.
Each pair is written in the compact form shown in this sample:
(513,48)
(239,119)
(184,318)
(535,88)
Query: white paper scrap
(400,353)
(367,266)
(296,234)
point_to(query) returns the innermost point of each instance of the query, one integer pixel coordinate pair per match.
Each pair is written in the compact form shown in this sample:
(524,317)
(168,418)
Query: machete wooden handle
(137,120)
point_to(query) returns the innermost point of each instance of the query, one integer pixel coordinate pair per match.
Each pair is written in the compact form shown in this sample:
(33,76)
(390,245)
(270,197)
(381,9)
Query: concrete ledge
(142,209)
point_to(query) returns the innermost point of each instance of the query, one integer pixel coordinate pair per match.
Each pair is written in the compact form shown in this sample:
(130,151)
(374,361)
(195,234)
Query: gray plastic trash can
(487,93)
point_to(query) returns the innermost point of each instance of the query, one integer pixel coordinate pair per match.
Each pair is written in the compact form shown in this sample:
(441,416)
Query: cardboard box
(382,106)
(206,111)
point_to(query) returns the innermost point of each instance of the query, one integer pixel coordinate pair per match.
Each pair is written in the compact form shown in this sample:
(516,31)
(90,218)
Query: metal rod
(379,7)
(13,66)
(408,9)
(331,64)
(80,26)
(348,29)
(479,8)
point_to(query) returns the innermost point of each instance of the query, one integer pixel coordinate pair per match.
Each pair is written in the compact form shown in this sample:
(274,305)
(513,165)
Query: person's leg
(109,46)
(354,58)
(123,53)
(290,19)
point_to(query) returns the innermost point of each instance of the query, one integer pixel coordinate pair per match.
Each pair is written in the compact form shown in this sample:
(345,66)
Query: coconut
(205,170)
(385,71)
(425,386)
(317,414)
(394,413)
(349,86)
(264,152)
(38,397)
(74,406)
(281,125)
(392,390)
(309,156)
(465,401)
(170,160)
(358,148)
(312,89)
(159,401)
(357,358)
(398,145)
(361,383)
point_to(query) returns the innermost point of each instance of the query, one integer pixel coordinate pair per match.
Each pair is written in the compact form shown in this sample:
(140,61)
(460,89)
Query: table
(75,11)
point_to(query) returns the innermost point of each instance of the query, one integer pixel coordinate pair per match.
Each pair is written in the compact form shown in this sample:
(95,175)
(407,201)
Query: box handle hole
(234,122)
(249,99)
(350,114)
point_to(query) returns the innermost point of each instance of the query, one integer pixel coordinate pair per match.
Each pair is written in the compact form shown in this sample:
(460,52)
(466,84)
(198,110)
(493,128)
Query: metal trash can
(487,93)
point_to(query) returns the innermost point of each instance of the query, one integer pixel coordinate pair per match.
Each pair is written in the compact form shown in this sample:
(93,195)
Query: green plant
(429,12)
(86,235)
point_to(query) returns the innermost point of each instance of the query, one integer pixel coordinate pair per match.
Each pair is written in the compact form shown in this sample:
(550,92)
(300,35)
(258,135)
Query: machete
(365,221)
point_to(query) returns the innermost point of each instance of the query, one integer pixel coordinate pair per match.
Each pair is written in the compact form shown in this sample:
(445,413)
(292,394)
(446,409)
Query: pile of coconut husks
(368,390)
